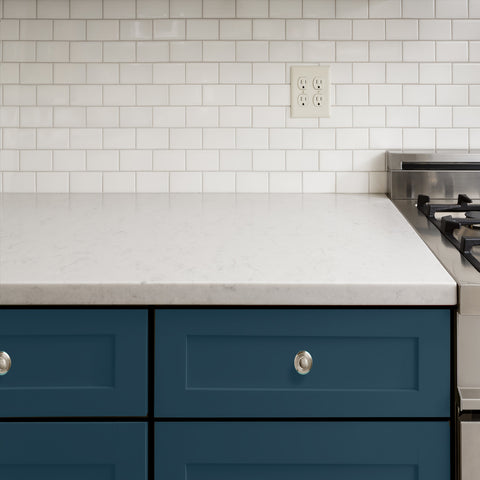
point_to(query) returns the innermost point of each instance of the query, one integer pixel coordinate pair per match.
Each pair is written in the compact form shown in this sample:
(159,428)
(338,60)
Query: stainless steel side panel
(396,158)
(469,398)
(408,184)
(470,450)
(468,360)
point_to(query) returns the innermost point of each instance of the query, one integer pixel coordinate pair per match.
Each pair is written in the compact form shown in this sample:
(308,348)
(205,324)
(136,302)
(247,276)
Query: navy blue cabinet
(306,450)
(73,451)
(240,363)
(74,362)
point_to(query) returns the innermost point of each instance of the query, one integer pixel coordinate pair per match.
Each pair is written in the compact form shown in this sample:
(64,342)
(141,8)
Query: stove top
(458,222)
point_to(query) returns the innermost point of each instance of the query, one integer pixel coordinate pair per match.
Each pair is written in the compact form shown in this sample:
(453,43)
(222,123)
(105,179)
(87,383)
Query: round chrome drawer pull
(303,362)
(5,363)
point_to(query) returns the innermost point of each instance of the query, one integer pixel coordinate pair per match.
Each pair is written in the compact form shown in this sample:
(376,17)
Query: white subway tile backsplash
(125,95)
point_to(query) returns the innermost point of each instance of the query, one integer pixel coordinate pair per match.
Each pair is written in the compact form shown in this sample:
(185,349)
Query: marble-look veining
(214,249)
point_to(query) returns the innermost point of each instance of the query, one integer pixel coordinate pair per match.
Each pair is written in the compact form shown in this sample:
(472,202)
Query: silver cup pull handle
(303,362)
(5,363)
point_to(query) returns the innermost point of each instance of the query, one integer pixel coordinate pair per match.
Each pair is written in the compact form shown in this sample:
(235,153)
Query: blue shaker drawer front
(287,450)
(73,451)
(240,363)
(74,362)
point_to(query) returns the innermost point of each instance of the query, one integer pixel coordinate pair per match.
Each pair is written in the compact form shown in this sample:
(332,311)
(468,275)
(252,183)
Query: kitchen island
(220,336)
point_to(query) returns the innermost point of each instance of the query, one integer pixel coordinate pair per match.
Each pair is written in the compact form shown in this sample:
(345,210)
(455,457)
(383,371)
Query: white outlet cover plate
(310,110)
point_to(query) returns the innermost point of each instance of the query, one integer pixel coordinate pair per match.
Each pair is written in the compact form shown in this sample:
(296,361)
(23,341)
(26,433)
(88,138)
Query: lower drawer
(74,362)
(73,451)
(305,450)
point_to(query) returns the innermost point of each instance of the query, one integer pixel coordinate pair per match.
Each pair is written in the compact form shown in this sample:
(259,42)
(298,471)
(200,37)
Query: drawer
(74,362)
(240,363)
(305,450)
(73,451)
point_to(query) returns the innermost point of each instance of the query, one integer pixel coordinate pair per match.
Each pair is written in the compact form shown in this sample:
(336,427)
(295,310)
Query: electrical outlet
(310,91)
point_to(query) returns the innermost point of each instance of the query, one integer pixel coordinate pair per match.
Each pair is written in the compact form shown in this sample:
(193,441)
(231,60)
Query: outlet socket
(310,91)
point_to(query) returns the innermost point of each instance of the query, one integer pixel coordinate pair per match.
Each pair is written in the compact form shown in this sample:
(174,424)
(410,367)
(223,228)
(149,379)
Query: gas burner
(473,214)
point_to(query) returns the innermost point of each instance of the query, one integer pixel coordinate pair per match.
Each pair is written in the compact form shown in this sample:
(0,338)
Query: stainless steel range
(439,194)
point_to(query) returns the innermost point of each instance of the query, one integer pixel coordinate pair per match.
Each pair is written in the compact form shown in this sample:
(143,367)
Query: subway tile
(352,51)
(368,160)
(116,182)
(352,182)
(401,29)
(318,182)
(51,94)
(52,182)
(168,116)
(300,160)
(302,30)
(185,95)
(285,51)
(452,51)
(53,9)
(235,29)
(252,95)
(55,51)
(419,51)
(136,73)
(19,182)
(69,30)
(69,116)
(138,30)
(286,8)
(474,95)
(418,95)
(203,160)
(152,51)
(101,160)
(436,117)
(435,73)
(219,94)
(103,73)
(134,160)
(152,95)
(186,138)
(252,138)
(186,8)
(190,51)
(9,160)
(285,182)
(153,8)
(162,30)
(10,116)
(86,95)
(9,73)
(368,30)
(385,51)
(351,9)
(435,29)
(85,51)
(451,8)
(36,29)
(168,160)
(218,138)
(202,29)
(318,139)
(418,8)
(102,117)
(36,73)
(316,9)
(402,73)
(368,73)
(335,30)
(218,8)
(386,138)
(86,8)
(402,117)
(185,182)
(466,73)
(271,29)
(69,73)
(268,73)
(119,51)
(252,51)
(52,138)
(69,160)
(474,8)
(466,29)
(474,51)
(9,29)
(235,72)
(369,116)
(335,160)
(252,182)
(466,117)
(102,30)
(36,117)
(352,138)
(235,160)
(385,8)
(152,138)
(452,138)
(279,95)
(235,116)
(152,182)
(452,94)
(120,94)
(119,9)
(19,9)
(340,116)
(319,51)
(202,116)
(351,94)
(22,51)
(86,182)
(169,73)
(252,8)
(418,138)
(136,117)
(21,94)
(268,117)
(202,73)
(87,139)
(218,182)
(218,51)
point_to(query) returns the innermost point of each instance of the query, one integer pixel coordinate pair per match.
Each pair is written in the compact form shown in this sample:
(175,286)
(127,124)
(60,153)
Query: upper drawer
(74,362)
(240,363)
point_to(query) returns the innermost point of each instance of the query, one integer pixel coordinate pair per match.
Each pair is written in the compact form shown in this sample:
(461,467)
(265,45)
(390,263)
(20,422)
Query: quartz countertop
(188,249)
